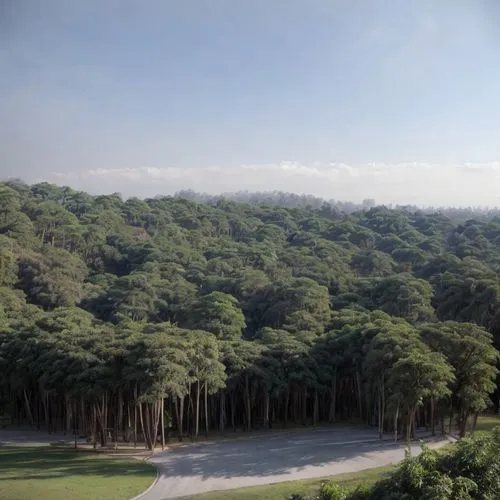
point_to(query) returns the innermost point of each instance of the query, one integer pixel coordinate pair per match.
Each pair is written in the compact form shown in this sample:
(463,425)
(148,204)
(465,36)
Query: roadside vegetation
(308,488)
(470,470)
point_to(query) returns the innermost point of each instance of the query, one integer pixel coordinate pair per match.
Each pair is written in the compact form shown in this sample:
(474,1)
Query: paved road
(28,437)
(269,459)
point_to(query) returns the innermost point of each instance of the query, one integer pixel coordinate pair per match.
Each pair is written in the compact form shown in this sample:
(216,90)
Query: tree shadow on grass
(45,463)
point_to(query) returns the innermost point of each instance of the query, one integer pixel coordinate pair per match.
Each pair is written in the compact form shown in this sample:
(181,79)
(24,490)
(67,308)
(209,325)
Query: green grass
(282,491)
(55,474)
(486,423)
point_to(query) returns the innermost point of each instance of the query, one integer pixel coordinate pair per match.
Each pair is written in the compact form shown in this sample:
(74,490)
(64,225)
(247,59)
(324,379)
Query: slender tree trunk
(206,408)
(380,420)
(396,417)
(197,414)
(94,425)
(69,412)
(158,409)
(285,409)
(316,407)
(408,429)
(248,403)
(433,422)
(333,397)
(46,410)
(266,408)
(233,411)
(474,422)
(181,414)
(360,393)
(304,406)
(222,411)
(162,424)
(141,418)
(383,406)
(28,408)
(119,423)
(82,419)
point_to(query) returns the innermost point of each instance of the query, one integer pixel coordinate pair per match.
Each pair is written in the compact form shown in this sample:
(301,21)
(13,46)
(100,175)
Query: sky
(344,99)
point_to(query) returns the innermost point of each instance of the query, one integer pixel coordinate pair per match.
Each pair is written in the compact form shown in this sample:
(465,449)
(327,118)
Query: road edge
(152,485)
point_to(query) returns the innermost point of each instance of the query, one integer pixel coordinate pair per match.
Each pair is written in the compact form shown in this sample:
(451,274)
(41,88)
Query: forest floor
(28,472)
(272,458)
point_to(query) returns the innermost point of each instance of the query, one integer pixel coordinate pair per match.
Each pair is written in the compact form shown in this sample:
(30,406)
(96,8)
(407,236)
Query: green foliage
(471,470)
(332,491)
(242,314)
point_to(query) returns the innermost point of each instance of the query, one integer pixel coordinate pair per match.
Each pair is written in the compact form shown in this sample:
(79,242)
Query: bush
(332,491)
(471,471)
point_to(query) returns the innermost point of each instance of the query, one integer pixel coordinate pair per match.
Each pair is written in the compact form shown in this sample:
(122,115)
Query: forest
(142,320)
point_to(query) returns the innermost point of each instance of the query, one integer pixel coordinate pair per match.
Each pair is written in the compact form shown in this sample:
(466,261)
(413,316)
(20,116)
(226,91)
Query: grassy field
(54,474)
(282,491)
(487,423)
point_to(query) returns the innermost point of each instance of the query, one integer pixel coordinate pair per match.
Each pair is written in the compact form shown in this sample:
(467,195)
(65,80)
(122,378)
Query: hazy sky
(398,100)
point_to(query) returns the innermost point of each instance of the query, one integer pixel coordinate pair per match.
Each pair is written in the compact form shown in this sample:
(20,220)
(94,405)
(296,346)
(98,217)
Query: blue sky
(397,100)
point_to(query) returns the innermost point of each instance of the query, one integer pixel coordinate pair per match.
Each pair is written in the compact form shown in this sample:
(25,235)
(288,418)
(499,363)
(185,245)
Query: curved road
(270,458)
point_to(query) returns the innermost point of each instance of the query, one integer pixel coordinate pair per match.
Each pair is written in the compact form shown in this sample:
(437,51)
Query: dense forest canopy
(141,315)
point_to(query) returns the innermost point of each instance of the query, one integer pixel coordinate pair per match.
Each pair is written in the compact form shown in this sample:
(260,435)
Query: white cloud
(417,183)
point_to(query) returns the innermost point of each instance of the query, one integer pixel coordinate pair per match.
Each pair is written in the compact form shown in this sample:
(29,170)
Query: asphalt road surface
(272,458)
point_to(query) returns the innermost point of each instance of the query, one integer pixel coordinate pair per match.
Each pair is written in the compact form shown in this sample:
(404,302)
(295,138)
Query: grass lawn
(52,474)
(486,423)
(282,491)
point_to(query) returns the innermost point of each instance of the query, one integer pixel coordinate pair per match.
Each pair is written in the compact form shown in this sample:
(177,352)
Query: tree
(469,350)
(417,377)
(218,313)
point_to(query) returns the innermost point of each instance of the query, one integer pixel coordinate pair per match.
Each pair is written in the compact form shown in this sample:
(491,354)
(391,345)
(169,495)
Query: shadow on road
(269,456)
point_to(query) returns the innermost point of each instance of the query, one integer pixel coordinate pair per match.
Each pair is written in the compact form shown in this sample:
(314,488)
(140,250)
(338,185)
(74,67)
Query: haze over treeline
(141,315)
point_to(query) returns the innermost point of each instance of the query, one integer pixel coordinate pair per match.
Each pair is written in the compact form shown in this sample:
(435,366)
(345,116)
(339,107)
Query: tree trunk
(380,417)
(333,397)
(408,430)
(158,413)
(28,408)
(304,406)
(162,424)
(396,417)
(197,411)
(383,406)
(433,423)
(94,425)
(316,406)
(248,403)
(206,408)
(266,408)
(222,411)
(474,422)
(141,417)
(69,412)
(360,397)
(119,423)
(135,416)
(287,402)
(181,416)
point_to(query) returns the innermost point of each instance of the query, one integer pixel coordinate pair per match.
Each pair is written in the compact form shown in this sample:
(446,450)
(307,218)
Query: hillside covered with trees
(136,316)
